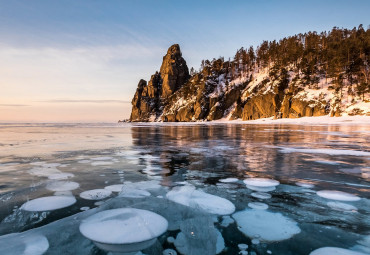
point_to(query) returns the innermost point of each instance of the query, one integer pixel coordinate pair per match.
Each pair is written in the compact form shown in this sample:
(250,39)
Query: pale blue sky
(81,60)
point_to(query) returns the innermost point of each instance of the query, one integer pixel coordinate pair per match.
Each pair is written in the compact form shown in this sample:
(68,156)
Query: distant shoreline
(321,120)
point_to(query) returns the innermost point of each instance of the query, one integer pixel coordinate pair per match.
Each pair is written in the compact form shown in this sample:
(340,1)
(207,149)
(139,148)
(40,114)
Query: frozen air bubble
(95,194)
(337,195)
(124,230)
(258,205)
(48,203)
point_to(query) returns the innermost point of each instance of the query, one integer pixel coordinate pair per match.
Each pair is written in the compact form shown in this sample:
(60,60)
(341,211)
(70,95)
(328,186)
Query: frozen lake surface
(223,188)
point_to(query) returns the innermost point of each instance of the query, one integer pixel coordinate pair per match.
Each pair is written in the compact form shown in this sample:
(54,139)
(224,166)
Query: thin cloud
(14,105)
(96,101)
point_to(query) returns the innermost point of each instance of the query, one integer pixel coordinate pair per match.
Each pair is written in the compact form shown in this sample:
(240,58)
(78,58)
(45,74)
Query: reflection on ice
(326,151)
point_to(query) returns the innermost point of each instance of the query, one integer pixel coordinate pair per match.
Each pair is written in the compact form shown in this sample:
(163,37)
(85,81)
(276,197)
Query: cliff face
(218,92)
(150,98)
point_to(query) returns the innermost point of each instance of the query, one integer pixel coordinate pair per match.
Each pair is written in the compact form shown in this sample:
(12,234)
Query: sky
(81,60)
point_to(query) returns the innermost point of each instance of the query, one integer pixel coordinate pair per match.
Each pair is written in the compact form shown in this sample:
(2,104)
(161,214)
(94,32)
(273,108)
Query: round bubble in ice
(267,226)
(242,246)
(48,203)
(261,189)
(62,186)
(115,187)
(134,193)
(342,207)
(337,195)
(261,182)
(336,251)
(124,230)
(170,239)
(261,195)
(169,252)
(229,180)
(189,196)
(95,194)
(258,205)
(60,176)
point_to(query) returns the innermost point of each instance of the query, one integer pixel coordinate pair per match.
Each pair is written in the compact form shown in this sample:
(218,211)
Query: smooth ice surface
(62,186)
(63,193)
(152,159)
(265,226)
(189,196)
(335,251)
(48,203)
(305,184)
(101,163)
(114,188)
(337,195)
(123,226)
(102,158)
(95,194)
(261,182)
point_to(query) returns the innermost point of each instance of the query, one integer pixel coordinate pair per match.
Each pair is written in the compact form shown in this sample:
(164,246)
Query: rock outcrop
(149,98)
(174,71)
(217,91)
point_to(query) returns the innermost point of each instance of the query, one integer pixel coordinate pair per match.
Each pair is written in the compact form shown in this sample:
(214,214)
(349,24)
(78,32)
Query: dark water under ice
(39,160)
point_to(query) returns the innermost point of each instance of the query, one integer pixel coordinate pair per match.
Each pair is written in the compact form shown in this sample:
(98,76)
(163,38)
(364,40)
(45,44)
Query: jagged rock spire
(173,74)
(174,71)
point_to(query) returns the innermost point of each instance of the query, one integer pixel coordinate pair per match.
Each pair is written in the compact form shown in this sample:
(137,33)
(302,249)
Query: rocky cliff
(246,89)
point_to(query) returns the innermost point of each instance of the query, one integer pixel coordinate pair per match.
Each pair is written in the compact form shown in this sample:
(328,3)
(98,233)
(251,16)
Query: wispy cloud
(14,105)
(94,101)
